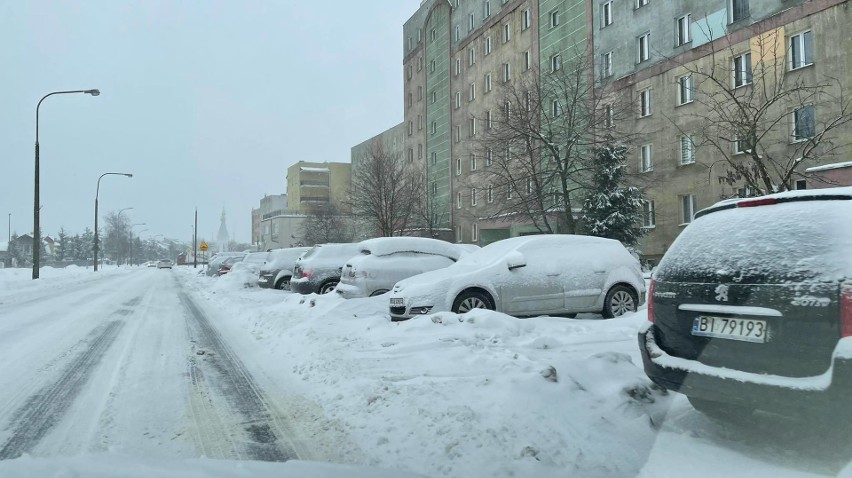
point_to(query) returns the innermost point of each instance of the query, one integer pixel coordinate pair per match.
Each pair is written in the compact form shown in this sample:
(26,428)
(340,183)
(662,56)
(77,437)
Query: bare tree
(764,118)
(327,225)
(386,190)
(430,214)
(115,237)
(540,149)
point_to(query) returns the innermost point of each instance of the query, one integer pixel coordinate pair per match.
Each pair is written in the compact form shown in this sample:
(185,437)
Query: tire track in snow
(230,412)
(42,411)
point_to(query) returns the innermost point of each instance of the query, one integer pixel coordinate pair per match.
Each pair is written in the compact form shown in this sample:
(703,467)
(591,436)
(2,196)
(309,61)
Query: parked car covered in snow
(527,276)
(278,270)
(217,260)
(318,270)
(384,261)
(751,306)
(249,266)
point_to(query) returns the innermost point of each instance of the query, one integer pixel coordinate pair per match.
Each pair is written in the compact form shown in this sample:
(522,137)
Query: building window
(486,8)
(684,89)
(527,60)
(420,151)
(473,196)
(475,233)
(410,155)
(556,109)
(458,66)
(742,70)
(408,73)
(434,158)
(458,234)
(507,110)
(528,100)
(509,191)
(489,195)
(434,127)
(458,134)
(643,47)
(489,123)
(737,10)
(525,19)
(472,162)
(687,208)
(609,116)
(410,100)
(458,200)
(471,56)
(687,150)
(419,122)
(507,72)
(471,22)
(682,29)
(645,103)
(433,35)
(489,157)
(471,95)
(432,66)
(458,34)
(458,99)
(646,158)
(419,93)
(458,167)
(472,127)
(641,3)
(606,65)
(606,14)
(488,44)
(529,186)
(743,144)
(555,62)
(649,214)
(801,50)
(419,63)
(508,154)
(487,82)
(804,123)
(434,188)
(419,35)
(507,32)
(801,184)
(554,19)
(410,127)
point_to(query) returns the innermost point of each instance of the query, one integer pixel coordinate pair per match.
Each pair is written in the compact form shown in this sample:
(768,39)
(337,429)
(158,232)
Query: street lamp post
(97,192)
(36,200)
(131,239)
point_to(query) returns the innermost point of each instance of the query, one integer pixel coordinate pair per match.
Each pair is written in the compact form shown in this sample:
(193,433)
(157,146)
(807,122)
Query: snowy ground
(151,366)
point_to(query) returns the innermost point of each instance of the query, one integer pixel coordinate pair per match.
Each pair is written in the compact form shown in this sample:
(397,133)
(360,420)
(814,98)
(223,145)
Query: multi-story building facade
(277,226)
(681,62)
(311,187)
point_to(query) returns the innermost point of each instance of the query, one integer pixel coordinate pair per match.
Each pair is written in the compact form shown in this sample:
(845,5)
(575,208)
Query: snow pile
(479,394)
(16,284)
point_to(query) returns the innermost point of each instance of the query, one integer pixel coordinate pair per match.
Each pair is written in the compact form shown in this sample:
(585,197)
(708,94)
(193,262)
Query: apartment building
(311,187)
(677,60)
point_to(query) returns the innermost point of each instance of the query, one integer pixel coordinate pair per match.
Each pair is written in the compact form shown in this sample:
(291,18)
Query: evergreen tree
(87,244)
(62,250)
(613,209)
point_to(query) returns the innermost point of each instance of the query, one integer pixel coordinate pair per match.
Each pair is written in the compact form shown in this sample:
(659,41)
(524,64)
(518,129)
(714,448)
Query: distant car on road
(164,264)
(278,269)
(384,261)
(528,276)
(318,270)
(751,307)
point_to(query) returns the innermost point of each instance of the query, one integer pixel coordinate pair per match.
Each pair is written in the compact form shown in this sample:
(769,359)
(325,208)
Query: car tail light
(306,274)
(651,302)
(846,310)
(757,202)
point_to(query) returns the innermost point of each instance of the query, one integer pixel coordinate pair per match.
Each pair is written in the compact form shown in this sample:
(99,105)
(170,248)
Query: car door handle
(553,275)
(600,272)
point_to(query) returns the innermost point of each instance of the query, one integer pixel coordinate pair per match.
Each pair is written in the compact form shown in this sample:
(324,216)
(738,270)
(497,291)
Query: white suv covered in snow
(384,261)
(528,276)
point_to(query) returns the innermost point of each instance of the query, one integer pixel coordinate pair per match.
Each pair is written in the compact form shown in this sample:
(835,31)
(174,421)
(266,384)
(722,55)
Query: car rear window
(786,242)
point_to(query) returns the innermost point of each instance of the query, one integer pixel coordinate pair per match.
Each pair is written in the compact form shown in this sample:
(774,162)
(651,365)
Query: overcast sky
(206,103)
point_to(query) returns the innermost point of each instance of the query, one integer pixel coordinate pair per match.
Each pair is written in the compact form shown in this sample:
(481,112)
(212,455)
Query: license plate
(396,302)
(746,330)
(262,279)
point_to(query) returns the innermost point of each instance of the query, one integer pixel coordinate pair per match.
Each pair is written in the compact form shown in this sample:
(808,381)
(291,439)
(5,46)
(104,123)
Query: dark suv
(751,307)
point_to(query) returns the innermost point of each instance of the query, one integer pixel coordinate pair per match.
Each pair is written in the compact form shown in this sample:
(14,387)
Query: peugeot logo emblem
(722,293)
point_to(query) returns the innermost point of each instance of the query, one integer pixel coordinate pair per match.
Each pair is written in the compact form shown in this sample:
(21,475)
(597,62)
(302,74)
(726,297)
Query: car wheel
(379,292)
(469,300)
(284,283)
(328,286)
(721,411)
(619,300)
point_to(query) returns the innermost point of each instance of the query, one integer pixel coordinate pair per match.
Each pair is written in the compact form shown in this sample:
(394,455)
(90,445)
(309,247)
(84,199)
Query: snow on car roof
(497,250)
(800,193)
(383,246)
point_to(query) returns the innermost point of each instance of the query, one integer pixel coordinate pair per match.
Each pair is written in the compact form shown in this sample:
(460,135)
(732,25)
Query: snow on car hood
(112,465)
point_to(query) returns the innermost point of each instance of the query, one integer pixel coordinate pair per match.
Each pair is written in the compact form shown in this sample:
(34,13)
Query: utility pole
(195,242)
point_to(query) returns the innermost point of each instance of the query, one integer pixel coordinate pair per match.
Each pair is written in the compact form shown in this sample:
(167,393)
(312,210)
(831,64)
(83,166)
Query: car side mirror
(515,260)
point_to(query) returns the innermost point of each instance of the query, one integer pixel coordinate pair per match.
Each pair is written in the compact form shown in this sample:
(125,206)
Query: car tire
(725,412)
(619,300)
(328,286)
(379,292)
(283,283)
(471,299)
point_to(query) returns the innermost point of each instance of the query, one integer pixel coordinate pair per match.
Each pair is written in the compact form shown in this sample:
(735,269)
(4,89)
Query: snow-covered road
(152,366)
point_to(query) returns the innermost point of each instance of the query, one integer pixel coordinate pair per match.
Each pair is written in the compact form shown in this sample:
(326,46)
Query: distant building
(829,176)
(222,237)
(314,186)
(276,226)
